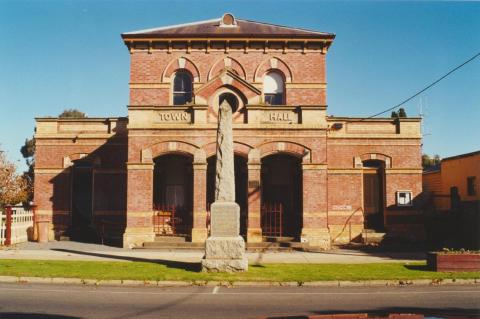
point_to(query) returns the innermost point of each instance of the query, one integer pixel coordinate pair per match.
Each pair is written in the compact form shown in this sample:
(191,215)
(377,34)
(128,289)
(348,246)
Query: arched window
(182,88)
(273,88)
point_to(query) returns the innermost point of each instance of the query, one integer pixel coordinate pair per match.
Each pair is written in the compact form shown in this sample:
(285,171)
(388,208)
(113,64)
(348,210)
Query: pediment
(227,78)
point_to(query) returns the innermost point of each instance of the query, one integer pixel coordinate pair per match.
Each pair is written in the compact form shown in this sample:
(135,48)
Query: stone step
(275,246)
(170,239)
(264,246)
(272,239)
(173,245)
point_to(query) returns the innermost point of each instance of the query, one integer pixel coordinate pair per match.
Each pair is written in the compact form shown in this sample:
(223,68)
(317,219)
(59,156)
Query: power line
(427,87)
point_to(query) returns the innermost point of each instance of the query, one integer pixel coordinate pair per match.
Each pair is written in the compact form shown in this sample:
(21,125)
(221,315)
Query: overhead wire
(425,88)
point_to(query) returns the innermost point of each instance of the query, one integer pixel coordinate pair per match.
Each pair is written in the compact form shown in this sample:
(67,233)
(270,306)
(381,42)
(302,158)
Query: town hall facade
(299,173)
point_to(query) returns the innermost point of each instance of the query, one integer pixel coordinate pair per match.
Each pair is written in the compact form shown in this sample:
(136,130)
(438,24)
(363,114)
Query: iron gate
(170,220)
(272,219)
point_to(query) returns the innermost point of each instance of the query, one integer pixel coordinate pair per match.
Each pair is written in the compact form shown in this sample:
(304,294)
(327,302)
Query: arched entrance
(82,228)
(172,195)
(373,194)
(281,183)
(241,187)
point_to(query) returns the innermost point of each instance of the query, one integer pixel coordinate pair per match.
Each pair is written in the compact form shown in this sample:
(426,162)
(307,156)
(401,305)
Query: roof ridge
(286,29)
(283,26)
(172,26)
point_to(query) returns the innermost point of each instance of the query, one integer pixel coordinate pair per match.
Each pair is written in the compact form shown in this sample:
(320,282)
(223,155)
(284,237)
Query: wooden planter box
(440,261)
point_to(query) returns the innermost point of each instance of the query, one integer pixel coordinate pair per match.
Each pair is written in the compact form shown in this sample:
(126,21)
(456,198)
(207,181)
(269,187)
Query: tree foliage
(428,161)
(72,113)
(13,187)
(28,152)
(401,113)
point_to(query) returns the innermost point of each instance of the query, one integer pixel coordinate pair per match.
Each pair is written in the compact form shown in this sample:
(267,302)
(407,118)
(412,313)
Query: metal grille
(272,219)
(170,220)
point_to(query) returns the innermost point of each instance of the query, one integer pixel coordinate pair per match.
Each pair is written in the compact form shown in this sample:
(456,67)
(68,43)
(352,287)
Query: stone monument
(225,248)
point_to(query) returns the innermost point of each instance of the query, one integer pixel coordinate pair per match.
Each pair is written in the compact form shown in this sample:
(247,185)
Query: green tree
(72,113)
(401,113)
(428,161)
(28,152)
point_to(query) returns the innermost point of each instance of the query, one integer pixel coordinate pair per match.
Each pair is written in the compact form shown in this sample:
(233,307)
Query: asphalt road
(70,302)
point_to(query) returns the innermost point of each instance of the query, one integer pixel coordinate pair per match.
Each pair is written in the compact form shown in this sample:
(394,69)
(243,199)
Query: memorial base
(225,254)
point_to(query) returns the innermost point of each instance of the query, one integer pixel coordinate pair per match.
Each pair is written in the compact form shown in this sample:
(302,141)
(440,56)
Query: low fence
(15,224)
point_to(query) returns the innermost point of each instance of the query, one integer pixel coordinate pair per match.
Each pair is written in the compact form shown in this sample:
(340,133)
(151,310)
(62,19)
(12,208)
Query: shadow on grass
(187,266)
(22,315)
(418,267)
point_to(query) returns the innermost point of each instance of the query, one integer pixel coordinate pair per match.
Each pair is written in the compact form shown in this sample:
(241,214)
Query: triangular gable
(227,78)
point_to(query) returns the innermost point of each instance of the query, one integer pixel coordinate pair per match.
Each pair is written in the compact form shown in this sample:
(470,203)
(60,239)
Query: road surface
(72,302)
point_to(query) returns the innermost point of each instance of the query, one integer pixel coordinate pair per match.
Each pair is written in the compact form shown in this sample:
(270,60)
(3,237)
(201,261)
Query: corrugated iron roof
(215,28)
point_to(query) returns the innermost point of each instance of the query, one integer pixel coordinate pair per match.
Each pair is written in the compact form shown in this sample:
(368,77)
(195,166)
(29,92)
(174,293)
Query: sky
(68,54)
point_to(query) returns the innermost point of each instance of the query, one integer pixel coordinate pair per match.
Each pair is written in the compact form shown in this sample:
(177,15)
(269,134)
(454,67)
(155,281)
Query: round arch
(172,147)
(239,148)
(273,64)
(180,63)
(292,148)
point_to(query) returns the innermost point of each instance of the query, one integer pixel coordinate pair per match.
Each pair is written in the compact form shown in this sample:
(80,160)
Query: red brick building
(299,173)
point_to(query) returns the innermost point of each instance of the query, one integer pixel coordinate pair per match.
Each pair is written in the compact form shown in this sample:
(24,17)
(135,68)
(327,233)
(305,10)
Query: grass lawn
(166,270)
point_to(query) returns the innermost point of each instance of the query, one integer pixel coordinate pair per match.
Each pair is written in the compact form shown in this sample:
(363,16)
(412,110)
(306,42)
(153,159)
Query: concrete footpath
(61,250)
(93,252)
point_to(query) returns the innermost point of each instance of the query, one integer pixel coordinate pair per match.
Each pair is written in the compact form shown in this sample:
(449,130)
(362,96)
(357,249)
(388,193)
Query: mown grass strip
(167,270)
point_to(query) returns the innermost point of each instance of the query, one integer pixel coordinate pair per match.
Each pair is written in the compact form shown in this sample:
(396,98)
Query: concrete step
(173,245)
(170,239)
(278,239)
(372,237)
(275,246)
(264,246)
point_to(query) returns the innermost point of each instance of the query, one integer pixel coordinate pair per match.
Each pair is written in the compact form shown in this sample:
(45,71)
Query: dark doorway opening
(82,228)
(374,194)
(172,195)
(281,184)
(241,188)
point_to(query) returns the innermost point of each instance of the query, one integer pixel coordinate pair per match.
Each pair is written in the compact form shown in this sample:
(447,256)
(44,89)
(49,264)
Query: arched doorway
(281,184)
(82,228)
(373,194)
(172,195)
(241,188)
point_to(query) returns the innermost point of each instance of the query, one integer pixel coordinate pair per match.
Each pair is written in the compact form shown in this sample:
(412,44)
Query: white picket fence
(22,220)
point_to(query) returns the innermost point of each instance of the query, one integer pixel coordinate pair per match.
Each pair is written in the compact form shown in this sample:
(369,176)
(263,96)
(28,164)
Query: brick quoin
(321,160)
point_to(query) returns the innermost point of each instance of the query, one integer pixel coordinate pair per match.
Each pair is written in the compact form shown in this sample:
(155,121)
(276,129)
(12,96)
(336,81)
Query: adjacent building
(300,173)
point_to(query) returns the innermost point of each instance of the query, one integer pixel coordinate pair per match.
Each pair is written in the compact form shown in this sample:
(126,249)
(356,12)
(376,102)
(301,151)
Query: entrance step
(170,239)
(278,239)
(370,236)
(253,247)
(275,246)
(172,245)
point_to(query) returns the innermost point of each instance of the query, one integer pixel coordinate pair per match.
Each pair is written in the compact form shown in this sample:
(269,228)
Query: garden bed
(454,261)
